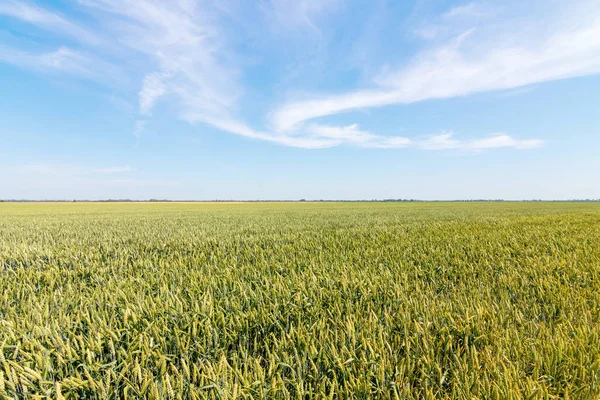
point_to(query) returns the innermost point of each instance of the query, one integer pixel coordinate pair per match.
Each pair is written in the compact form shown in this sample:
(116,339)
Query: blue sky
(316,99)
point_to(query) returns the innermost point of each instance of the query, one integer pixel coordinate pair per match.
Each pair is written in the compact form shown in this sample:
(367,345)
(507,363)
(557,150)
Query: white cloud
(186,55)
(442,141)
(152,89)
(138,128)
(446,141)
(316,136)
(349,133)
(239,128)
(455,70)
(67,61)
(179,39)
(299,14)
(45,19)
(352,135)
(502,140)
(457,19)
(467,10)
(184,47)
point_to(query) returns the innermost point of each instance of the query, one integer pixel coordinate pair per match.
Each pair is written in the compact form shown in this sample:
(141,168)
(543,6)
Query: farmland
(300,300)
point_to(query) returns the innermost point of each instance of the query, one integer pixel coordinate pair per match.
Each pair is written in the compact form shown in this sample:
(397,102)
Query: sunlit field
(300,300)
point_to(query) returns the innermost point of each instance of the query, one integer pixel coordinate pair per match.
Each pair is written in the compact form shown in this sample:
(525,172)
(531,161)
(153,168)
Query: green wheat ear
(306,301)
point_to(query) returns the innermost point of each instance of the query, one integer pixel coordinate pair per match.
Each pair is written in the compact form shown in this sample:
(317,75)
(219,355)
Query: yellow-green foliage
(321,300)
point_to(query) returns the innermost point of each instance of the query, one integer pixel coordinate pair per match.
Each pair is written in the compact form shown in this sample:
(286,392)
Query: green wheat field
(300,300)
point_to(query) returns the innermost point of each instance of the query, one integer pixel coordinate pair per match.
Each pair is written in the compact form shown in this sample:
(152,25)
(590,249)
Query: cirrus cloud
(185,57)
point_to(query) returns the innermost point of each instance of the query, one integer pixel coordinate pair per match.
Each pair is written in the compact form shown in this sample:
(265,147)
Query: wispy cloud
(467,10)
(138,128)
(455,20)
(447,140)
(46,19)
(184,47)
(442,141)
(315,136)
(66,61)
(454,70)
(352,135)
(185,59)
(152,89)
(498,141)
(299,14)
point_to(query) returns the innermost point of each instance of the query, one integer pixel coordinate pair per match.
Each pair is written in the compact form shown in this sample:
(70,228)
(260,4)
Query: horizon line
(482,200)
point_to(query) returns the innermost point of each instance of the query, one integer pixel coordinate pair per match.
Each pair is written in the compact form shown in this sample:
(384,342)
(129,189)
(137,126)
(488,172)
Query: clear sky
(289,99)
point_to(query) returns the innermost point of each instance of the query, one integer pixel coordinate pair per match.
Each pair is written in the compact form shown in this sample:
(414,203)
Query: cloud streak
(65,60)
(138,128)
(46,19)
(467,10)
(299,14)
(152,89)
(183,45)
(185,59)
(446,141)
(453,70)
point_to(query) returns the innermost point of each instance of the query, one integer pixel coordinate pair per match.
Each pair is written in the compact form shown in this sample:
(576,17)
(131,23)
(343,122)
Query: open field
(315,300)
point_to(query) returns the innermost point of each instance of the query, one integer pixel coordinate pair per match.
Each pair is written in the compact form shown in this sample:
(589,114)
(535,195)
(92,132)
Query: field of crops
(300,300)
